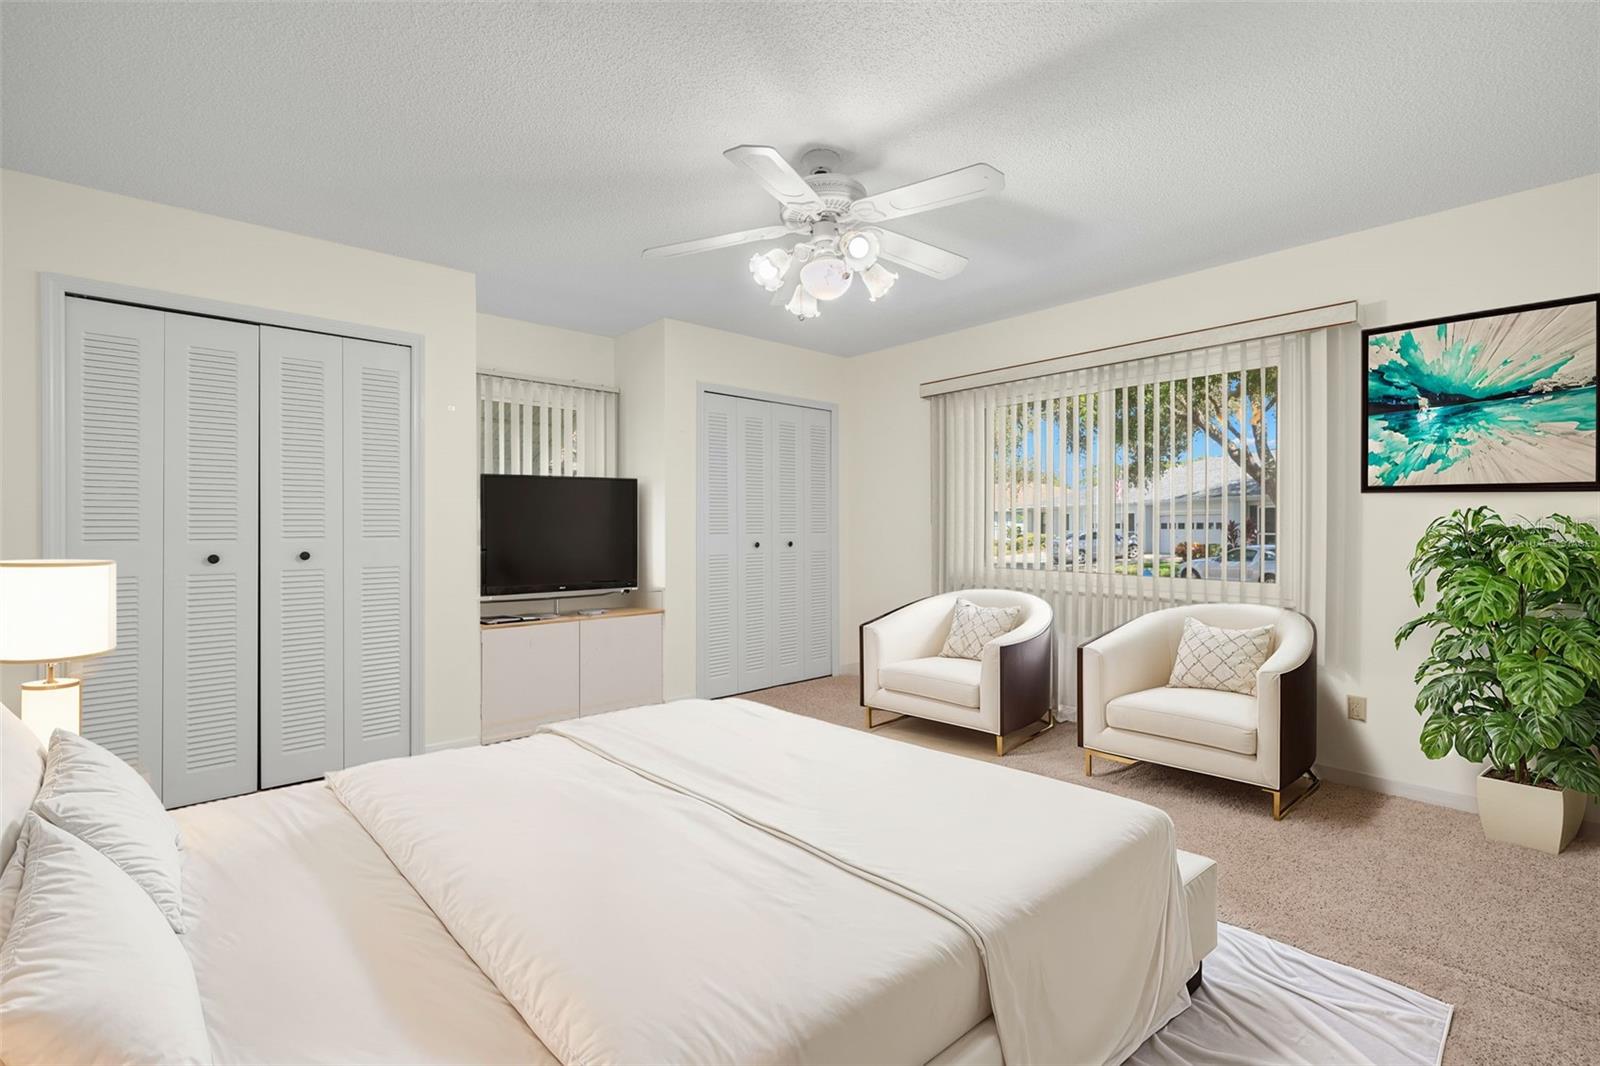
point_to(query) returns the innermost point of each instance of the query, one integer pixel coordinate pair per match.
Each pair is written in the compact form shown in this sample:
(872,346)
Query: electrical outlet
(1358,708)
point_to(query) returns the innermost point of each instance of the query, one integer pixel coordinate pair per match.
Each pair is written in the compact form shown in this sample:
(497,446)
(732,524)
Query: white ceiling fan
(839,223)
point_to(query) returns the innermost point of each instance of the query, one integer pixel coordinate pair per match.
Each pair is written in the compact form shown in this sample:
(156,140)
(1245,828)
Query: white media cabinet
(543,671)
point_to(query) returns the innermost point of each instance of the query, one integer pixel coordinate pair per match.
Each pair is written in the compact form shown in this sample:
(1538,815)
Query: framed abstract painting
(1500,400)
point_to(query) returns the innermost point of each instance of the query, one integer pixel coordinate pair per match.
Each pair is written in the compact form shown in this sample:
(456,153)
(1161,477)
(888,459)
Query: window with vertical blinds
(535,427)
(1117,489)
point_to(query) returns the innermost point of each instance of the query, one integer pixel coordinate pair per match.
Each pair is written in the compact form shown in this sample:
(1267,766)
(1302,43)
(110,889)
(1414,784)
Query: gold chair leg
(1021,736)
(1089,757)
(1279,808)
(879,725)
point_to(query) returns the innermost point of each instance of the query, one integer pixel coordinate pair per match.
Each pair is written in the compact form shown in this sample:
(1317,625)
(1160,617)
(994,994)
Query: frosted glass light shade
(826,278)
(878,280)
(52,610)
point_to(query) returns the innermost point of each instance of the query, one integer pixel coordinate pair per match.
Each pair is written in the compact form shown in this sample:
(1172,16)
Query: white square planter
(1529,815)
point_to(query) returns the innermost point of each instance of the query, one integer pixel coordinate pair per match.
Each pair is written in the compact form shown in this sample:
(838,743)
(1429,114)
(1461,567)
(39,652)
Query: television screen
(558,534)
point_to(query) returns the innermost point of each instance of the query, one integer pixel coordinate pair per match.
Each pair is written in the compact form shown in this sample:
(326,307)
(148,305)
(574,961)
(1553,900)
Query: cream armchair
(1127,713)
(1007,693)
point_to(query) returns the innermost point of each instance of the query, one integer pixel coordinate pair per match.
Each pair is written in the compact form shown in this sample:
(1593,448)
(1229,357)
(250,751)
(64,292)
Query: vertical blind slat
(529,427)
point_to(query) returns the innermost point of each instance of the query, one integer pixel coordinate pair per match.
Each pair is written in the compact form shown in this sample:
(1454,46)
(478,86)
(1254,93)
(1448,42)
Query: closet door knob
(758,544)
(304,556)
(213,559)
(791,544)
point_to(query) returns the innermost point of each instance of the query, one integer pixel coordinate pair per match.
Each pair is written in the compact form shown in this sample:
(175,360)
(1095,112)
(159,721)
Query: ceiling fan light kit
(838,224)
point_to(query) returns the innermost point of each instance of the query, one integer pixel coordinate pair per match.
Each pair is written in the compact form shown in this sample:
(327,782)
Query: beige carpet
(1400,889)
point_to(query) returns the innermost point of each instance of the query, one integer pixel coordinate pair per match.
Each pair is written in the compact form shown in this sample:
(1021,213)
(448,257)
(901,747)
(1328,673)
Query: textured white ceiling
(542,146)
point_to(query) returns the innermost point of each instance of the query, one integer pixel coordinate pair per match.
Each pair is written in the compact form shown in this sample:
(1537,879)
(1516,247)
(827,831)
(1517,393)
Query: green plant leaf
(1476,595)
(1519,634)
(1572,767)
(1437,733)
(1404,632)
(1544,685)
(1444,691)
(1451,644)
(1510,739)
(1577,641)
(1472,738)
(1538,563)
(1580,723)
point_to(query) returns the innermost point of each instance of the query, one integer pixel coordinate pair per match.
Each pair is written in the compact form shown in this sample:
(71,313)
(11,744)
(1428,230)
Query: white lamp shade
(52,610)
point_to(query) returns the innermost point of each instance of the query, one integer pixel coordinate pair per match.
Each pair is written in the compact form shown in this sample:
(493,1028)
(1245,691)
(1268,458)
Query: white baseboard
(1439,797)
(458,742)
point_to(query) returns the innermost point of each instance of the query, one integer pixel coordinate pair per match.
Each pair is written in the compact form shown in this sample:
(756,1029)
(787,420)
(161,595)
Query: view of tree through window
(1170,478)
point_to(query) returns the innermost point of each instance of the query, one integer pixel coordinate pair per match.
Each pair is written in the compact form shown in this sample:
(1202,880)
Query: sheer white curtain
(1118,489)
(536,427)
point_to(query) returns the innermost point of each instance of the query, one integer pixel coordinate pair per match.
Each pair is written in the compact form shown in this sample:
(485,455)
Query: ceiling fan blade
(711,244)
(776,176)
(968,183)
(918,255)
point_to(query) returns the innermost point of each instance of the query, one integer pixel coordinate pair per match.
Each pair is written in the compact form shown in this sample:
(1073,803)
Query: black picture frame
(1363,438)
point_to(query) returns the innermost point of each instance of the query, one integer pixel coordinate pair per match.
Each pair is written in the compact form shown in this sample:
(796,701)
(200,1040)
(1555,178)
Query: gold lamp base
(51,704)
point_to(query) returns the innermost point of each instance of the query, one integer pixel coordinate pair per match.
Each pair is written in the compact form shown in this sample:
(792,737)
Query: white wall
(535,351)
(641,372)
(53,227)
(1535,245)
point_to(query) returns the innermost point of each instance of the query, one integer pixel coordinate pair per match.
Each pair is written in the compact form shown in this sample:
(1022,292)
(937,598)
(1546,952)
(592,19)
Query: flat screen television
(543,536)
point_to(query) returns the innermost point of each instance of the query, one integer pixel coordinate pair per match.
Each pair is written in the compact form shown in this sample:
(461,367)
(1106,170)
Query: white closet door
(377,551)
(302,553)
(755,637)
(212,555)
(817,431)
(113,448)
(718,614)
(788,545)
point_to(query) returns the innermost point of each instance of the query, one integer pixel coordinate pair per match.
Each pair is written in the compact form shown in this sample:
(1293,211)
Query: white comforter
(726,882)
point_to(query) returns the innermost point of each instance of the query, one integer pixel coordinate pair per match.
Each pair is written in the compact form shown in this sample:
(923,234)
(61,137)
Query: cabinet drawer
(528,678)
(620,662)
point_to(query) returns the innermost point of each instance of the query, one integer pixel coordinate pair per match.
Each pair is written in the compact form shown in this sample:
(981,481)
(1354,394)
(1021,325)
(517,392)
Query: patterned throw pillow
(976,626)
(1225,659)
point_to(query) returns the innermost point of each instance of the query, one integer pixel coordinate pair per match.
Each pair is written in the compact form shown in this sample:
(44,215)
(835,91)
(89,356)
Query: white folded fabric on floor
(1264,1001)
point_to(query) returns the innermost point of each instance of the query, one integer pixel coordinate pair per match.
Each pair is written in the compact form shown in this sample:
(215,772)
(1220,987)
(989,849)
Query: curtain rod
(486,371)
(1310,318)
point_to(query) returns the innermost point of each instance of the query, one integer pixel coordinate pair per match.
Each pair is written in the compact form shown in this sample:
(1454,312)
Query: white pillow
(21,770)
(11,884)
(975,626)
(90,971)
(104,802)
(1225,659)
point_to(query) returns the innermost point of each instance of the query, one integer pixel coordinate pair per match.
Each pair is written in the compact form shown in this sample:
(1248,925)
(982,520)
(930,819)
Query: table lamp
(52,611)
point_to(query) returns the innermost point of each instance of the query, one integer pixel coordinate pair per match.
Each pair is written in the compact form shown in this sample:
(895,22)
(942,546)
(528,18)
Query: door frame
(54,289)
(702,388)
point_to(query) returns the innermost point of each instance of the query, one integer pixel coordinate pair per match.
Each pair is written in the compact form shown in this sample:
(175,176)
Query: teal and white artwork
(1501,400)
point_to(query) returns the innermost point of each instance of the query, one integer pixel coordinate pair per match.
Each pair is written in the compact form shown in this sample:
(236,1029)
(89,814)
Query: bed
(693,881)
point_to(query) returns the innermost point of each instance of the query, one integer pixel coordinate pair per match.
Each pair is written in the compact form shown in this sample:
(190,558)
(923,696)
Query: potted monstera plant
(1513,674)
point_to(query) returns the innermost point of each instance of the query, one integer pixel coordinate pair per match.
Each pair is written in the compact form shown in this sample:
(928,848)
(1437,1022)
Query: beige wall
(52,227)
(696,356)
(535,351)
(1536,245)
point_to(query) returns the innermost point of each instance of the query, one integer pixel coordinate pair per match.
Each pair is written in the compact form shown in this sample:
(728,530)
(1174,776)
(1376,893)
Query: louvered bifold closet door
(788,545)
(302,554)
(718,615)
(817,536)
(209,706)
(113,446)
(377,551)
(754,632)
